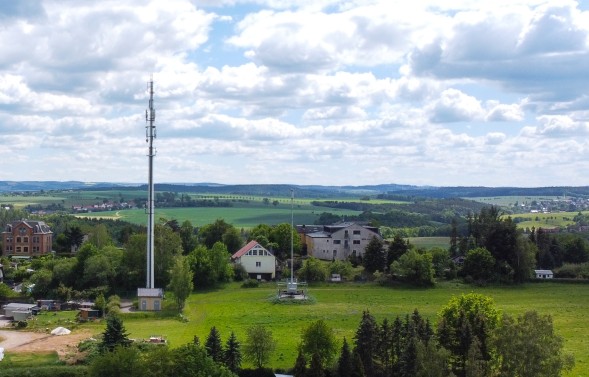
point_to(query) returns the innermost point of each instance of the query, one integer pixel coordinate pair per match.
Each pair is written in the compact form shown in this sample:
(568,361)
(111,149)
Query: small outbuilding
(20,311)
(85,315)
(544,274)
(150,299)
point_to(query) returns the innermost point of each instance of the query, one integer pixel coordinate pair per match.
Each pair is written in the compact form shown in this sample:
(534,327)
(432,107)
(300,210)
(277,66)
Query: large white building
(337,242)
(258,262)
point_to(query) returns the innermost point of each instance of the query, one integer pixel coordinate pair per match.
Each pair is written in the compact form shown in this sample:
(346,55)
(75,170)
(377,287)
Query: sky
(327,92)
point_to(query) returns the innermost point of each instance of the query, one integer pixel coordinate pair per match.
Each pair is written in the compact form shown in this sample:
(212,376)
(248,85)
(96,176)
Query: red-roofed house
(258,262)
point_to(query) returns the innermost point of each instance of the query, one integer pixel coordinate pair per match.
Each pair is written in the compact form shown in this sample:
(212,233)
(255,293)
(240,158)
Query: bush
(239,272)
(573,271)
(250,283)
(21,324)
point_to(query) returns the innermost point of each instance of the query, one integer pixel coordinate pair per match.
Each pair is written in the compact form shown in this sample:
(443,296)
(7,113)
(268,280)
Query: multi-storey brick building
(338,241)
(26,238)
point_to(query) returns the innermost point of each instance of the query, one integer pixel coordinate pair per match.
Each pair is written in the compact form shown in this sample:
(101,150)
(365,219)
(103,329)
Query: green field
(341,306)
(509,201)
(233,308)
(239,216)
(430,242)
(545,220)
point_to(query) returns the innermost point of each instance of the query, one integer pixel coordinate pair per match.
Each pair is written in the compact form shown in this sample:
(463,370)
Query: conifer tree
(345,362)
(374,256)
(357,366)
(232,354)
(213,345)
(365,341)
(115,334)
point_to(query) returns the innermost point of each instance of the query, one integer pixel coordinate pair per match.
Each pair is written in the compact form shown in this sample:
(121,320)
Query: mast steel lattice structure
(150,134)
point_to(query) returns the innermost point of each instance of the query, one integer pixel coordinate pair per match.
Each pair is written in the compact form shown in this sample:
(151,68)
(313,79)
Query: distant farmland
(238,216)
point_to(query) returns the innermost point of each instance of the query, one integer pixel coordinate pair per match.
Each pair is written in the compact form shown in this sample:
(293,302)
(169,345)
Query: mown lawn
(234,309)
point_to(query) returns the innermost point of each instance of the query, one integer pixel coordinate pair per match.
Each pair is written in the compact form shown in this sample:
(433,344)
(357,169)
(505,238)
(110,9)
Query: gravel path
(14,339)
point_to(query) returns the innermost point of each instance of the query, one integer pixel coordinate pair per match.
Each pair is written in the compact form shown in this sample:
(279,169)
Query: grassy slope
(341,306)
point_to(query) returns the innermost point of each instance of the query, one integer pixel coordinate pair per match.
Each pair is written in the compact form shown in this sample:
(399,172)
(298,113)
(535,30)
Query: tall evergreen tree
(345,361)
(365,342)
(357,366)
(114,334)
(213,345)
(232,354)
(397,247)
(374,257)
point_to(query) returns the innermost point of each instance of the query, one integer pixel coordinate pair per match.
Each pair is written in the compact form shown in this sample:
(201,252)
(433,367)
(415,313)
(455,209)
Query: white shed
(19,310)
(544,274)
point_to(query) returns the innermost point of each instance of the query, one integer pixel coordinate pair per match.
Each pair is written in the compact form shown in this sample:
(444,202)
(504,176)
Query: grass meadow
(234,309)
(545,220)
(239,216)
(430,242)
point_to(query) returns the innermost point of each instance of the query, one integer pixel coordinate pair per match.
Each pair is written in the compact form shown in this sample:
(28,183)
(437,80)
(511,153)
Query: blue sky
(469,92)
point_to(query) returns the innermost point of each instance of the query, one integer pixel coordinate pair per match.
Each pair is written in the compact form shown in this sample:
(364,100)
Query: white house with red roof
(258,262)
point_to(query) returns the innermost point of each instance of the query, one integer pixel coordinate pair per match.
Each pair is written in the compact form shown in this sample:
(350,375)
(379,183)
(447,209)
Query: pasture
(544,220)
(509,201)
(234,309)
(430,242)
(241,215)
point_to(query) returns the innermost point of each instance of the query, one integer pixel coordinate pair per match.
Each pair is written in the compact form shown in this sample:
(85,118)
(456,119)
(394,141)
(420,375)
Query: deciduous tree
(528,346)
(463,319)
(181,284)
(259,345)
(318,340)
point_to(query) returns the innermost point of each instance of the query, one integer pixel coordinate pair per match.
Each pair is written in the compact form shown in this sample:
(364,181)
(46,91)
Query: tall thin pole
(291,235)
(150,135)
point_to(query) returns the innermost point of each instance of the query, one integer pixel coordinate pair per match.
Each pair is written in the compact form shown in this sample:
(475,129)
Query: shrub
(250,283)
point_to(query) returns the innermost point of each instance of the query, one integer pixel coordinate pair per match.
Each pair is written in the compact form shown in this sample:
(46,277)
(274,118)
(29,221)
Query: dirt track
(21,341)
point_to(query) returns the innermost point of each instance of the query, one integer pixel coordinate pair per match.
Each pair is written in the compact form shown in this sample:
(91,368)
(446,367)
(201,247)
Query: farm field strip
(238,216)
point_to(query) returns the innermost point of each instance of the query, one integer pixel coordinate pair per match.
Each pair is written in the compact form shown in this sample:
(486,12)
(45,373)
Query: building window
(258,264)
(337,242)
(25,239)
(26,249)
(356,232)
(18,249)
(356,242)
(18,240)
(255,252)
(22,231)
